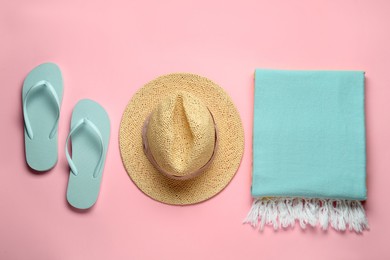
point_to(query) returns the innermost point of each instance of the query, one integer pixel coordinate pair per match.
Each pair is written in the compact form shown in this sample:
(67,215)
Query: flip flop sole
(41,151)
(83,188)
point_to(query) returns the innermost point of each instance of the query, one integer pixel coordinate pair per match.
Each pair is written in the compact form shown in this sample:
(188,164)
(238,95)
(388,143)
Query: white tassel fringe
(284,212)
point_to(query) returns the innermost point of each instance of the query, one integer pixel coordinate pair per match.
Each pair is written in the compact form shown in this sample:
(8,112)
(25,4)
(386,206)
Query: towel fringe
(284,212)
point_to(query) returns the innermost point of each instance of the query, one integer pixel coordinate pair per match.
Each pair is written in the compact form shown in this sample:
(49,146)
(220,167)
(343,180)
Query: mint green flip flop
(90,134)
(41,99)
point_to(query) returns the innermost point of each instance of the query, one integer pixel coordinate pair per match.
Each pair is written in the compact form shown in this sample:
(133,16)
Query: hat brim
(230,137)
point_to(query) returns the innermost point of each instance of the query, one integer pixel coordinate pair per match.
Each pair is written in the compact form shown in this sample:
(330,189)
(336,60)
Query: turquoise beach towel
(309,162)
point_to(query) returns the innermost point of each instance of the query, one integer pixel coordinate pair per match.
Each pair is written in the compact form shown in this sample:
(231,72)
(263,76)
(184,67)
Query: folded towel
(309,161)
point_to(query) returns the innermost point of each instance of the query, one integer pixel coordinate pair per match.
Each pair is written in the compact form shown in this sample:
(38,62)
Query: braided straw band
(151,159)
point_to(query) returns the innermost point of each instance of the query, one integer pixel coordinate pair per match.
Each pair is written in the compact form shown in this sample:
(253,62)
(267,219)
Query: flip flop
(89,134)
(41,99)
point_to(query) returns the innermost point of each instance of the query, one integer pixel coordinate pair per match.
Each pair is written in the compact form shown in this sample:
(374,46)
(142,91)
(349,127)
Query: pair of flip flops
(89,134)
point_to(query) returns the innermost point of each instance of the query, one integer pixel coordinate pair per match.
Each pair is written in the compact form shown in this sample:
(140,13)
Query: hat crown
(181,134)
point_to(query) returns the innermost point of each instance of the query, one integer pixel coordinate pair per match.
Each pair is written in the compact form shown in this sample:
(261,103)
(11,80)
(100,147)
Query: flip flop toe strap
(52,91)
(84,122)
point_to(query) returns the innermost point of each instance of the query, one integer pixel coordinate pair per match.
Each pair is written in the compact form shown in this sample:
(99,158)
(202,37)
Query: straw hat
(181,139)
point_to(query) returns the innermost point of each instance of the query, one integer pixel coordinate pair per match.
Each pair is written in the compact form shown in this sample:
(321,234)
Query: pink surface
(109,49)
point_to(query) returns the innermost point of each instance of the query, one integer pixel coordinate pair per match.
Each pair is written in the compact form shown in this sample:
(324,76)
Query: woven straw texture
(181,134)
(230,140)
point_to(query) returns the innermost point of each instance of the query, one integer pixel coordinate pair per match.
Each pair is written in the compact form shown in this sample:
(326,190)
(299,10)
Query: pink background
(108,49)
